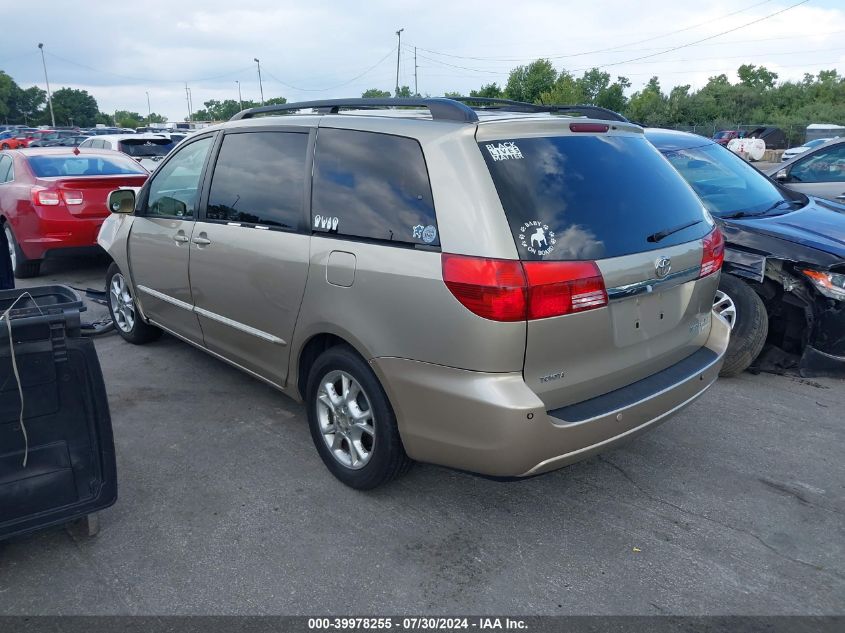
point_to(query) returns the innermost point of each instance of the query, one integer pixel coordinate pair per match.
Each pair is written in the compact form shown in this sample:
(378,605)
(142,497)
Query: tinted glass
(725,183)
(175,187)
(5,168)
(827,165)
(590,197)
(145,147)
(260,179)
(372,186)
(83,165)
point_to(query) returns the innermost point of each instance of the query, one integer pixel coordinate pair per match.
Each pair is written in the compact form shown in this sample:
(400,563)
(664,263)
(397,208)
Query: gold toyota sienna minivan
(503,289)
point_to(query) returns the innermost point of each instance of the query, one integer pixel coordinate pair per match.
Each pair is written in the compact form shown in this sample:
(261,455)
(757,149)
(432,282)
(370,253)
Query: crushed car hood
(817,232)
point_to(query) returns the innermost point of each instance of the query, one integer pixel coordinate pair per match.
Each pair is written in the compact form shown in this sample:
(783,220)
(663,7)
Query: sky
(120,51)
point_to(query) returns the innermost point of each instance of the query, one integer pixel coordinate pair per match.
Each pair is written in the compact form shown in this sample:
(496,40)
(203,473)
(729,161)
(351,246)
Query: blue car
(783,281)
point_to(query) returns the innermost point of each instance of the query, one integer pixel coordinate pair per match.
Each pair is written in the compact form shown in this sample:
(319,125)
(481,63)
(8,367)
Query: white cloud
(118,51)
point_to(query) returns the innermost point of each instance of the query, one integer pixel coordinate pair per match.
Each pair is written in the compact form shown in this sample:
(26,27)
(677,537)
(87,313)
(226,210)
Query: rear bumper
(38,236)
(495,425)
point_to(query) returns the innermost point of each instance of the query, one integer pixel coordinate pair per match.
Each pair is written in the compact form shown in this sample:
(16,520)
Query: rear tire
(127,320)
(4,146)
(751,325)
(22,267)
(379,452)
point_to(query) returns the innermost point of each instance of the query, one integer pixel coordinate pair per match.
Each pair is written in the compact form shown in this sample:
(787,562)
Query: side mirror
(122,201)
(782,175)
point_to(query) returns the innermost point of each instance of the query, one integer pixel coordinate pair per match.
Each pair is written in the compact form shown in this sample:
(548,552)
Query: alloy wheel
(12,253)
(725,307)
(122,304)
(346,419)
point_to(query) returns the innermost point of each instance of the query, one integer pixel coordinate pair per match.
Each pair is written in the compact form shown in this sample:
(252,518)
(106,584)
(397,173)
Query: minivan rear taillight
(557,288)
(510,290)
(491,288)
(713,253)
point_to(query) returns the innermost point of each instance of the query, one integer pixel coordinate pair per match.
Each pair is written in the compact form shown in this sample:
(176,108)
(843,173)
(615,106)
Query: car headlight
(829,284)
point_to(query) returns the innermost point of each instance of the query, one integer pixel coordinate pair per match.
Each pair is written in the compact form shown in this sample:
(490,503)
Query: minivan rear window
(591,197)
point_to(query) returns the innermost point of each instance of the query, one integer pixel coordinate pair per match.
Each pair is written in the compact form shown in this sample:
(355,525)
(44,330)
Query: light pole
(240,100)
(47,81)
(398,53)
(149,110)
(260,86)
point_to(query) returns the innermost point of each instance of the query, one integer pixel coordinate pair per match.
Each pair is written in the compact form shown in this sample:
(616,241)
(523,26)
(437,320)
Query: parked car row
(451,284)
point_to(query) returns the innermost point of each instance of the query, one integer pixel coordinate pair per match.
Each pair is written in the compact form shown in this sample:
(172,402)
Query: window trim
(303,229)
(141,206)
(364,239)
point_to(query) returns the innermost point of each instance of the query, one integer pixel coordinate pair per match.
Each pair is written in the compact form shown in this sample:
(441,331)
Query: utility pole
(188,100)
(149,110)
(398,53)
(191,99)
(47,81)
(416,88)
(260,85)
(240,100)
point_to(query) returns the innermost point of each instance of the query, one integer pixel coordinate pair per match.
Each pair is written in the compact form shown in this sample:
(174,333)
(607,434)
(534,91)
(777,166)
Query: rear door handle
(180,237)
(201,241)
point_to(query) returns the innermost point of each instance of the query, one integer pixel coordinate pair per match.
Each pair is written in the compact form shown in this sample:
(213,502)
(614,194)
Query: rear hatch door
(612,199)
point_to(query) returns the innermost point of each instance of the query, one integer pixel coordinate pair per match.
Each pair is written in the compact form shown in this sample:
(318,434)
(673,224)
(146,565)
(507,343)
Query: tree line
(756,98)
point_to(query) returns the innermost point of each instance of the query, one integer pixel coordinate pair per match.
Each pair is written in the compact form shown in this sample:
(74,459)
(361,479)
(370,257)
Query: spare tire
(744,309)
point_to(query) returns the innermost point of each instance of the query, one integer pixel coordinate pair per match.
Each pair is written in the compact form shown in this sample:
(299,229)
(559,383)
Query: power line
(345,83)
(146,79)
(641,57)
(704,39)
(603,50)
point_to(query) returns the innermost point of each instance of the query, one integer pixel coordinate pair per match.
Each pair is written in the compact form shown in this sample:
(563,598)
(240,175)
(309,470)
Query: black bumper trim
(635,392)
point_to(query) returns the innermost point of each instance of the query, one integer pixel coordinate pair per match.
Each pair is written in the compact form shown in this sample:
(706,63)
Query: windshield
(591,197)
(146,147)
(726,184)
(721,134)
(83,165)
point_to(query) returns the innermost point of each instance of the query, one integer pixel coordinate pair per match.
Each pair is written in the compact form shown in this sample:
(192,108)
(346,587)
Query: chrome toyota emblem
(662,266)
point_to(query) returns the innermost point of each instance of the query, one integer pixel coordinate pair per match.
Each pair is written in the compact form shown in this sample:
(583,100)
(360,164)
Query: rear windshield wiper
(656,237)
(772,207)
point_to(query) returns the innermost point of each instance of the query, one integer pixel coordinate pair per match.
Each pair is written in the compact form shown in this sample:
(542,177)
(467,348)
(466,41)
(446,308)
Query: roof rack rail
(441,109)
(509,105)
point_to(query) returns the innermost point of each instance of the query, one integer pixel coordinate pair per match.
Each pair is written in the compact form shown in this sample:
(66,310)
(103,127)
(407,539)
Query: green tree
(26,103)
(405,91)
(72,107)
(648,106)
(756,77)
(451,94)
(375,93)
(528,83)
(489,91)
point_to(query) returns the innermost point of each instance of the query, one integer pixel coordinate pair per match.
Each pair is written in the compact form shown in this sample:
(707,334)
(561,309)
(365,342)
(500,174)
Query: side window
(825,166)
(106,144)
(372,186)
(5,169)
(260,179)
(175,187)
(87,143)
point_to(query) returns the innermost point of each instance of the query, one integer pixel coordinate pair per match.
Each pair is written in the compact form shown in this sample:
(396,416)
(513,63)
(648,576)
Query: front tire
(127,320)
(744,309)
(351,421)
(22,267)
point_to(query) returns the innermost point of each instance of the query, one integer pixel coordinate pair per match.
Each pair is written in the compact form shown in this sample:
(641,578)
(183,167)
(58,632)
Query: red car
(54,199)
(723,137)
(18,138)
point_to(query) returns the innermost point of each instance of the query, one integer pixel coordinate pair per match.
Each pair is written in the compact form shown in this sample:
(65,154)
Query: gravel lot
(734,507)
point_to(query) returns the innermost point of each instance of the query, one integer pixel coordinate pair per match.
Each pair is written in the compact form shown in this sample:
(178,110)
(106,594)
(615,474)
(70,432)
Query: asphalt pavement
(733,507)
